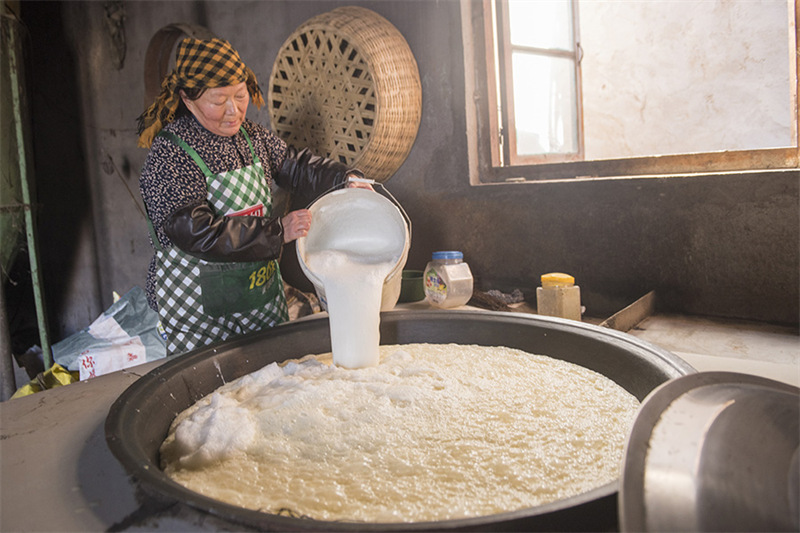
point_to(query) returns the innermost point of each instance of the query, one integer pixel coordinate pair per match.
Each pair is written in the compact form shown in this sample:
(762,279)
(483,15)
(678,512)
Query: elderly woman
(206,186)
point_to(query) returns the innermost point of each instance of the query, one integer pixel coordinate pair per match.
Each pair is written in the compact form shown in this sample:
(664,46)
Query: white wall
(682,76)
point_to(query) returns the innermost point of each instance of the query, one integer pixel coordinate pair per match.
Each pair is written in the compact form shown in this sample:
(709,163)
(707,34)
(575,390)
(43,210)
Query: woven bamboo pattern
(346,85)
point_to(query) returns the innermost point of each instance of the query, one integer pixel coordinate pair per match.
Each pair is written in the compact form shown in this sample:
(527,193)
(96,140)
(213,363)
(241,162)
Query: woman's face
(220,110)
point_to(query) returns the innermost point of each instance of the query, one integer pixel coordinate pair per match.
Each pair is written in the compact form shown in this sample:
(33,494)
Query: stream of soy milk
(353,289)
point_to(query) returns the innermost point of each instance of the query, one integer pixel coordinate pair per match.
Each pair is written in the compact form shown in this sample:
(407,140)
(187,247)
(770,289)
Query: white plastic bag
(127,334)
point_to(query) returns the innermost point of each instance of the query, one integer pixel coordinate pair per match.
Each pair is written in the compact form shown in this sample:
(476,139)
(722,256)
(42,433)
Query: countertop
(59,475)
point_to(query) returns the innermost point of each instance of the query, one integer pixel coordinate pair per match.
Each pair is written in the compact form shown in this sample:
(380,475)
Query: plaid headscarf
(198,64)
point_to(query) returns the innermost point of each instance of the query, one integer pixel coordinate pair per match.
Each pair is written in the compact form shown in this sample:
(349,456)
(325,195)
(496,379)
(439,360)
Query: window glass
(541,24)
(544,104)
(609,87)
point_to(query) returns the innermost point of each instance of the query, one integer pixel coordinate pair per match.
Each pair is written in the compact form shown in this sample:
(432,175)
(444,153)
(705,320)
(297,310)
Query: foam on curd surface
(432,432)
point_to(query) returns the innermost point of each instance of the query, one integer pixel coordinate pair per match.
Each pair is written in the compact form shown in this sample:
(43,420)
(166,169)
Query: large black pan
(140,418)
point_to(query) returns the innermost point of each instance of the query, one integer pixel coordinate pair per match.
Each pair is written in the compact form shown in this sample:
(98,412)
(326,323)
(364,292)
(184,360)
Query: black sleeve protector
(199,231)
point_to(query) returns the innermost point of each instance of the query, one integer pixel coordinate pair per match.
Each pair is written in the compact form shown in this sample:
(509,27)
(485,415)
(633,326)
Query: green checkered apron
(201,302)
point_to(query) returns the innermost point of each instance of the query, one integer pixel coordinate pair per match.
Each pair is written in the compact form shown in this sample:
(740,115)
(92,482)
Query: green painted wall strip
(25,177)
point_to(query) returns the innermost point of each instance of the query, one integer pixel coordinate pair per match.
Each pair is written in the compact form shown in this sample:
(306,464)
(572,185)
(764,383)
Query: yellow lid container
(557,279)
(559,296)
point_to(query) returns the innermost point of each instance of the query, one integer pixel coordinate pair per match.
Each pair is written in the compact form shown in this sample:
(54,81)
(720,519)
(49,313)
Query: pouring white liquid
(353,289)
(354,254)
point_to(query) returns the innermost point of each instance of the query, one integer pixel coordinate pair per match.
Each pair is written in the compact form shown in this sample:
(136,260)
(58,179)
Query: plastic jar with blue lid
(448,280)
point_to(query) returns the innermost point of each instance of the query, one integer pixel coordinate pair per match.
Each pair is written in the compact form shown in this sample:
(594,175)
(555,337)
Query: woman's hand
(296,224)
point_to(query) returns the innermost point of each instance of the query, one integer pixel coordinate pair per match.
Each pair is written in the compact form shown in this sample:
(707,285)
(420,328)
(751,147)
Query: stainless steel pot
(139,420)
(714,451)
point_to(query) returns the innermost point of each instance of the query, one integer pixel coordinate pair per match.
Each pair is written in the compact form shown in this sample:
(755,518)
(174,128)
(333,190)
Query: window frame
(484,134)
(505,50)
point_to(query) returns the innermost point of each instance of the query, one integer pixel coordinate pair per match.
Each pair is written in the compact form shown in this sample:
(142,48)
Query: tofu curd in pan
(432,432)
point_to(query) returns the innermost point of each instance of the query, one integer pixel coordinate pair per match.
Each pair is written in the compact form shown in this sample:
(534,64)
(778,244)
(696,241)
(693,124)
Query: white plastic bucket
(362,223)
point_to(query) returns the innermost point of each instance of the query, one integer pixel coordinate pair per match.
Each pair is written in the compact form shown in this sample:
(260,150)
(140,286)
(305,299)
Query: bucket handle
(373,183)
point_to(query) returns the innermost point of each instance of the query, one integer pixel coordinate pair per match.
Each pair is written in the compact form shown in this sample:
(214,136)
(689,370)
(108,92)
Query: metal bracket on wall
(627,318)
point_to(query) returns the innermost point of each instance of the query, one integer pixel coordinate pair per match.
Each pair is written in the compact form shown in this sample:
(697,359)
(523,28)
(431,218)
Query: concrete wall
(719,245)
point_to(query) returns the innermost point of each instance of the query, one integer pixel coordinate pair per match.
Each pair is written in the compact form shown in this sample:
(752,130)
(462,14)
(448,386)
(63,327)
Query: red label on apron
(254,211)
